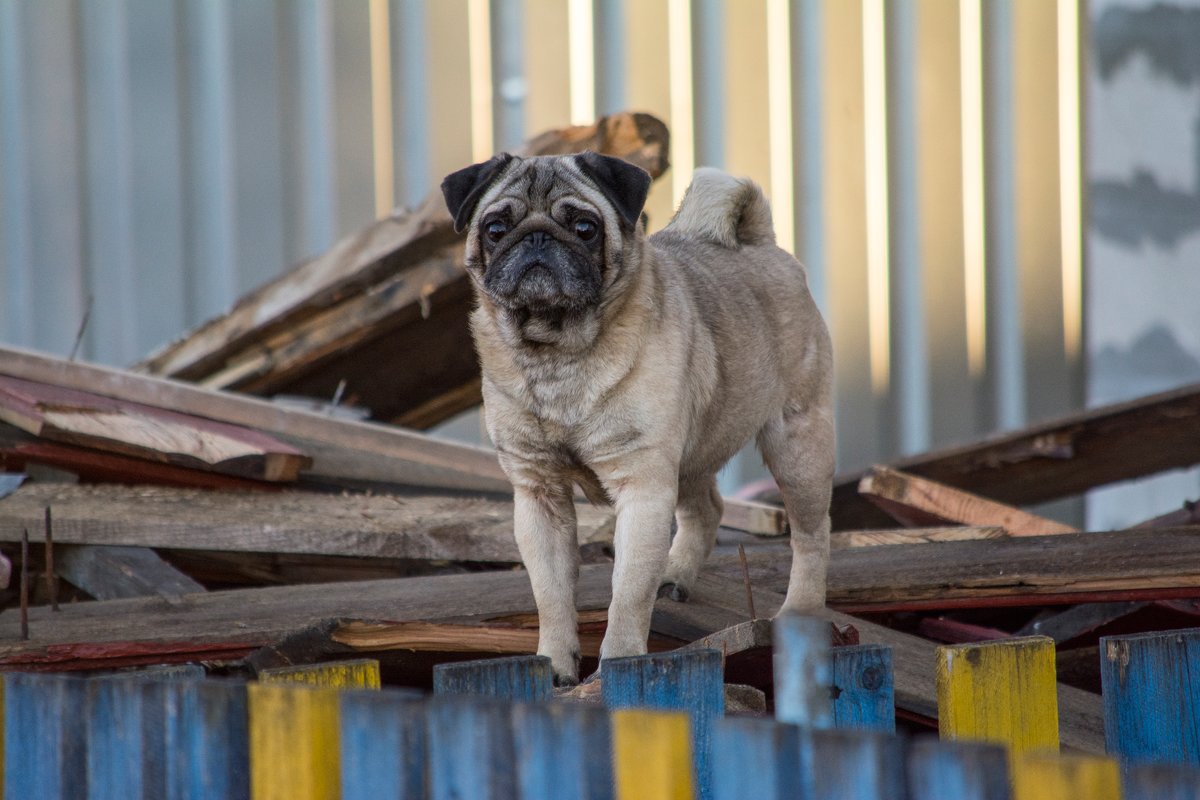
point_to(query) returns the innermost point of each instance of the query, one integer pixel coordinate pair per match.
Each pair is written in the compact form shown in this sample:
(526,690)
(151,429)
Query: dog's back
(746,302)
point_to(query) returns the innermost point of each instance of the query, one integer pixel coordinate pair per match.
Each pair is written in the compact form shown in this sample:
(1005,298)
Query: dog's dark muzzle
(540,272)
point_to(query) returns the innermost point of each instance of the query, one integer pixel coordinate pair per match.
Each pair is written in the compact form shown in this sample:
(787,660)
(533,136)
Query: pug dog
(635,366)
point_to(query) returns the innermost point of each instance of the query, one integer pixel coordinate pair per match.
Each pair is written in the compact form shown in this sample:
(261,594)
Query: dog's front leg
(544,523)
(643,537)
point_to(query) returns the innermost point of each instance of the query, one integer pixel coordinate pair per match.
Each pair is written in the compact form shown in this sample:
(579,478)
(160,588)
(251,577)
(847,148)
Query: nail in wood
(746,579)
(25,584)
(51,577)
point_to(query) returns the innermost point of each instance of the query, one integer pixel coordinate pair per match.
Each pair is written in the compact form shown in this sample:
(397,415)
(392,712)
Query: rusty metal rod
(51,577)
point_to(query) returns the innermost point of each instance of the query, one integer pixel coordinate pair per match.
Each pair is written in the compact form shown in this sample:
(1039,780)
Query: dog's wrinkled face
(546,233)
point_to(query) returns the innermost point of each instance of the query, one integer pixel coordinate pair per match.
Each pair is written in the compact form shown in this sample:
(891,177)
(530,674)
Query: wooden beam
(112,573)
(843,540)
(19,450)
(145,630)
(93,421)
(761,519)
(376,525)
(341,450)
(1019,571)
(1051,460)
(917,501)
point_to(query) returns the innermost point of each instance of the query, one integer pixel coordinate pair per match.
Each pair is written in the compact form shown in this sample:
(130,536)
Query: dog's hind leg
(697,516)
(799,449)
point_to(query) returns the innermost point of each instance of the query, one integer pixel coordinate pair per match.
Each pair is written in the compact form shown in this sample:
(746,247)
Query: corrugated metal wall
(159,158)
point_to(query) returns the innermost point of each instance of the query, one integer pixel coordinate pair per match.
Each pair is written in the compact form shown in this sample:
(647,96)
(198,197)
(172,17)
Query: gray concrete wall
(1143,235)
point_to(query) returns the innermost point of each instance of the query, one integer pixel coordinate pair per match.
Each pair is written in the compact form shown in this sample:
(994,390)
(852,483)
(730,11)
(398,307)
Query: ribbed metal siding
(161,158)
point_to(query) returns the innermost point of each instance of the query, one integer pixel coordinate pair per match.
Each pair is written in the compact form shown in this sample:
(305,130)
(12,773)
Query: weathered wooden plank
(652,755)
(166,673)
(684,680)
(1037,776)
(1003,692)
(757,758)
(916,501)
(361,673)
(1151,699)
(341,450)
(294,747)
(250,618)
(112,573)
(19,450)
(863,692)
(383,745)
(563,752)
(470,748)
(45,746)
(1017,571)
(803,671)
(78,417)
(352,524)
(761,519)
(452,637)
(514,678)
(207,740)
(1051,460)
(843,540)
(963,770)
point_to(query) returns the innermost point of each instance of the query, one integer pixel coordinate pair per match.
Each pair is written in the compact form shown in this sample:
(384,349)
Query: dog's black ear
(463,189)
(624,184)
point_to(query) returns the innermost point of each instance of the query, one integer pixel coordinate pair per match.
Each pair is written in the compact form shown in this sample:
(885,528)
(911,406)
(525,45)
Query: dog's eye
(585,229)
(495,230)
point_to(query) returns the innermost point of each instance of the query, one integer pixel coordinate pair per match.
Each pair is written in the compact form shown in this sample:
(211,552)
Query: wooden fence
(490,732)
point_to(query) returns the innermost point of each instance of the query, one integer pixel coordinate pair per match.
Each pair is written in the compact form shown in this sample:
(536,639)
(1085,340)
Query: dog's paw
(675,591)
(565,681)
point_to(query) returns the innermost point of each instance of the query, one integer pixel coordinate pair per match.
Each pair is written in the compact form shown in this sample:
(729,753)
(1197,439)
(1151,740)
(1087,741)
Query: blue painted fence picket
(863,694)
(854,765)
(1151,699)
(757,758)
(207,740)
(515,678)
(45,742)
(681,680)
(470,748)
(1160,782)
(938,770)
(126,734)
(383,744)
(803,667)
(562,751)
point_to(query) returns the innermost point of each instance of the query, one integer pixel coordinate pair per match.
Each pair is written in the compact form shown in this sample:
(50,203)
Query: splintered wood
(917,501)
(76,417)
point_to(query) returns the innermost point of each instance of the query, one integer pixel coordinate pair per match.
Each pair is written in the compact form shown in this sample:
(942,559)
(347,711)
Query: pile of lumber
(176,513)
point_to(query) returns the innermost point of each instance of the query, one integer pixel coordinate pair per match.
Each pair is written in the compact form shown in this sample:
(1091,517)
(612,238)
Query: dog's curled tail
(724,210)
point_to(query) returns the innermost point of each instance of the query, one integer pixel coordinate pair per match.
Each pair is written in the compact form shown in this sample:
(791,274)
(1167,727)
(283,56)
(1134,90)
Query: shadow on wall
(1130,211)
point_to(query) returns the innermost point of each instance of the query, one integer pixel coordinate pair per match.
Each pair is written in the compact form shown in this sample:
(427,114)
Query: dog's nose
(538,240)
